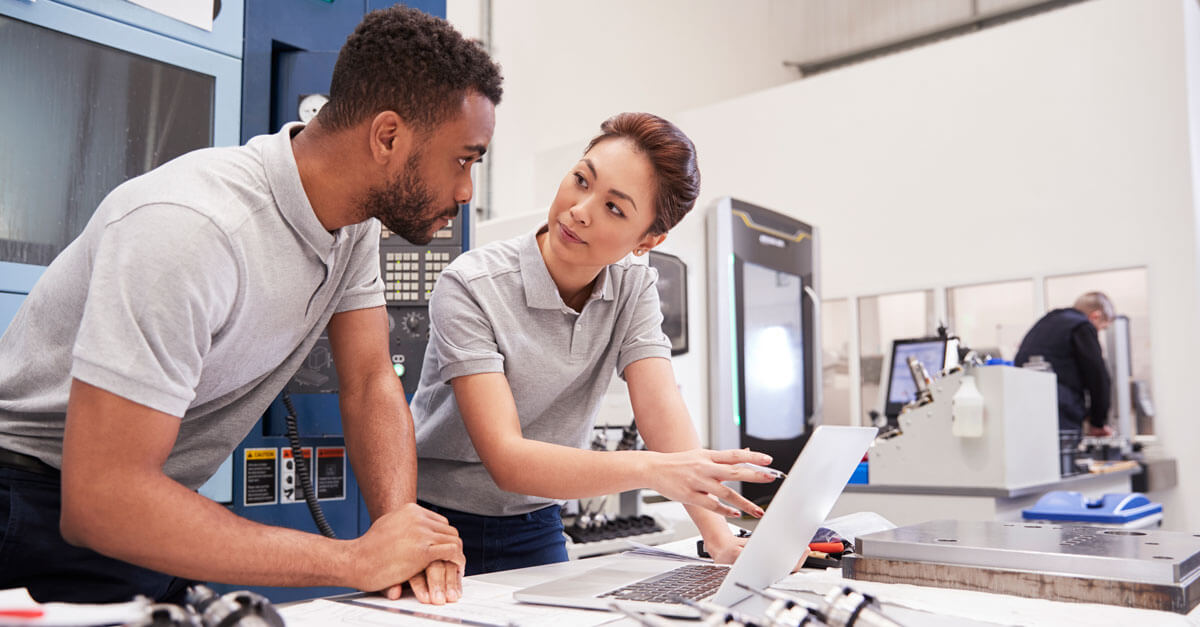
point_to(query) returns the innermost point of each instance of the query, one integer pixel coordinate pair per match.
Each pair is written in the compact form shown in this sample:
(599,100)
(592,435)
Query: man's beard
(405,205)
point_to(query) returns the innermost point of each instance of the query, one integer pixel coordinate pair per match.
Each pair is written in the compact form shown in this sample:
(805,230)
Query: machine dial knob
(413,323)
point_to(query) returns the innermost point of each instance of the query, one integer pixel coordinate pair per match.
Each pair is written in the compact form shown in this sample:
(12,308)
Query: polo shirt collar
(283,176)
(603,288)
(540,290)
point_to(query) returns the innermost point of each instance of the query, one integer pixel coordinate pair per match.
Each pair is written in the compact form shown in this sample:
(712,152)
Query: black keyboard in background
(694,582)
(623,527)
(585,541)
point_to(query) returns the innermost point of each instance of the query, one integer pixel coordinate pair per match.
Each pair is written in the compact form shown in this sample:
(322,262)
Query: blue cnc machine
(150,88)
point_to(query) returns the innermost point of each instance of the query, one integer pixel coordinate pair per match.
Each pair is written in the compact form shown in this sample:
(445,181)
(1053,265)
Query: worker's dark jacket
(1066,339)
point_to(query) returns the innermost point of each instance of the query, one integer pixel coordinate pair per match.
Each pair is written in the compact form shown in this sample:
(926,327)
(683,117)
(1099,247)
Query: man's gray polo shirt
(496,309)
(197,290)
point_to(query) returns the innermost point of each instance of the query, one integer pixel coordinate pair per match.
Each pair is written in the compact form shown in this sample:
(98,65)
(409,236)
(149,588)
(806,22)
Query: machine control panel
(410,273)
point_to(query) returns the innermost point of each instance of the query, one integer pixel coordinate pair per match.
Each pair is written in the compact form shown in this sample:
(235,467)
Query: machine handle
(818,400)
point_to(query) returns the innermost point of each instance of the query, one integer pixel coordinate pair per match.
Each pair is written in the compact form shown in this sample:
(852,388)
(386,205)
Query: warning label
(290,488)
(260,475)
(331,473)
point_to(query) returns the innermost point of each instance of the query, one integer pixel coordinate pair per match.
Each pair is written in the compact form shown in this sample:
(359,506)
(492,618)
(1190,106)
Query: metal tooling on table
(1138,568)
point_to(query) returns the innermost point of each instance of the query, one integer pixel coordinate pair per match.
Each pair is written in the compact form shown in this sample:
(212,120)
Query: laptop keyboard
(695,582)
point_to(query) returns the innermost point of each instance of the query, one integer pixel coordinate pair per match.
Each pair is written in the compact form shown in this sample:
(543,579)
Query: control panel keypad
(409,277)
(435,262)
(402,277)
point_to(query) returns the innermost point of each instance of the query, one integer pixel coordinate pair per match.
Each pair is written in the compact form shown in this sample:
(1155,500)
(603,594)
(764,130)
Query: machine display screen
(931,354)
(774,345)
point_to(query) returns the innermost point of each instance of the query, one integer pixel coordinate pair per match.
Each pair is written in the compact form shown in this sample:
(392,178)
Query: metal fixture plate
(1138,568)
(1146,555)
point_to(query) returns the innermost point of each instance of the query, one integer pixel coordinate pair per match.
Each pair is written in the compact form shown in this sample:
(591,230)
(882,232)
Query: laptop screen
(808,494)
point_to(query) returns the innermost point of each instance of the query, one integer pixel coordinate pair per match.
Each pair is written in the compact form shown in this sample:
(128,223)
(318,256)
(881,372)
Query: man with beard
(157,339)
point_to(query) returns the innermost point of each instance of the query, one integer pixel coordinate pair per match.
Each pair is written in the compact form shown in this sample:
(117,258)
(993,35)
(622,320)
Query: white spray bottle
(967,409)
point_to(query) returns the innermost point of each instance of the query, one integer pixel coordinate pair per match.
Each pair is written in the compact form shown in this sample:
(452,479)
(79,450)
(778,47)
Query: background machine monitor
(934,353)
(672,298)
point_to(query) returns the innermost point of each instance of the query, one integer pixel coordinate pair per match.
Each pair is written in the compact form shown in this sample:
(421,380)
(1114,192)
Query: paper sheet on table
(54,614)
(681,550)
(851,526)
(985,606)
(644,550)
(325,613)
(483,602)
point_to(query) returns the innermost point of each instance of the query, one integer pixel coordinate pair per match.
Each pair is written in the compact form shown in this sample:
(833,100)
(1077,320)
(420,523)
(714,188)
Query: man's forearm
(378,428)
(1094,373)
(187,535)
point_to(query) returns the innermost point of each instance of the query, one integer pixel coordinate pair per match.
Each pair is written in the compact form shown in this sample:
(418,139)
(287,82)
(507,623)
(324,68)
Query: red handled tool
(826,547)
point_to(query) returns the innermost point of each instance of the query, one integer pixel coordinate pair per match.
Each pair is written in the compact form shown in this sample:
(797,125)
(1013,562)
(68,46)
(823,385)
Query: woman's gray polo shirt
(496,309)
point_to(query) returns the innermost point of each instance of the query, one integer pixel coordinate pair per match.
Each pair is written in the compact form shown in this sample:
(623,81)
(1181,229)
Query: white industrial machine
(764,332)
(1002,434)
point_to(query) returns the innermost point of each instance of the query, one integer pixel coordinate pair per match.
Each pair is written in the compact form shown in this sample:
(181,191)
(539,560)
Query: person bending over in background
(158,338)
(525,337)
(1069,339)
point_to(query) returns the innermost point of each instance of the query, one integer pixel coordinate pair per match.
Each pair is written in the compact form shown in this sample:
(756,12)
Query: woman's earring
(639,252)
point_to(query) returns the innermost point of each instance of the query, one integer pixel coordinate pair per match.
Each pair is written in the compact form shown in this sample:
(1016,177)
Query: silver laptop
(800,506)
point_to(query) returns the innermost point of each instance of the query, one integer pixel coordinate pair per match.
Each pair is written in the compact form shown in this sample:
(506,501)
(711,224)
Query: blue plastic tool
(1116,509)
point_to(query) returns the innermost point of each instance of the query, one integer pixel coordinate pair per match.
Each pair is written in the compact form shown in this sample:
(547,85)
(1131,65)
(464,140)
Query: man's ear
(390,138)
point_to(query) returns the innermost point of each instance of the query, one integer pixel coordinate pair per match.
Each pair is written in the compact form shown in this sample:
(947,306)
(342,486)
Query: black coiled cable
(306,485)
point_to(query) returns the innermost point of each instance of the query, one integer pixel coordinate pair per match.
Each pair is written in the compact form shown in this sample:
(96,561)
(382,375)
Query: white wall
(1182,426)
(1049,145)
(570,64)
(1192,44)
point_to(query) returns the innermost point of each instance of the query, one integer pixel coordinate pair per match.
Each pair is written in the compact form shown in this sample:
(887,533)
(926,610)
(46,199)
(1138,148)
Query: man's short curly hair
(401,59)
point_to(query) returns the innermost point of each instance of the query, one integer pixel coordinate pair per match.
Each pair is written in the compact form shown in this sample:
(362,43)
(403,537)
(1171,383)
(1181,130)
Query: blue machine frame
(134,29)
(261,54)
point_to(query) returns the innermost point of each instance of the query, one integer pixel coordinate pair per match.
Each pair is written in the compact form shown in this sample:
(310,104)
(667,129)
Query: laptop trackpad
(599,580)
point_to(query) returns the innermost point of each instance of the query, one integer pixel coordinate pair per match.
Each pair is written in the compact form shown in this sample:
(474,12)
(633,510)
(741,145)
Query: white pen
(770,471)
